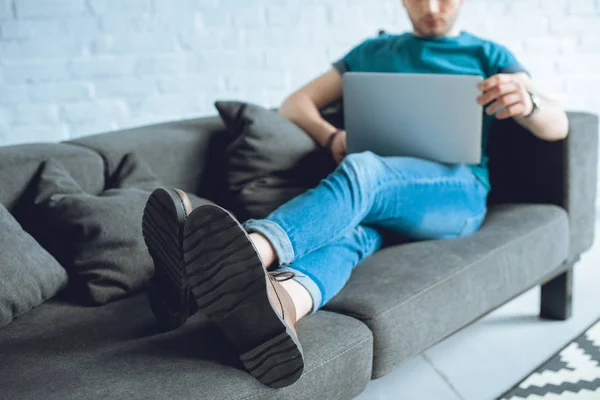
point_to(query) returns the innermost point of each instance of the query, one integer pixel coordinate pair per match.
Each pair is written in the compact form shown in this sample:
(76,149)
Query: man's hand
(507,92)
(338,147)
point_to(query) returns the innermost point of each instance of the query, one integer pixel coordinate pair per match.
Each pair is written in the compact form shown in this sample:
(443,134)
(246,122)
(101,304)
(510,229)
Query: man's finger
(511,111)
(493,81)
(503,102)
(498,91)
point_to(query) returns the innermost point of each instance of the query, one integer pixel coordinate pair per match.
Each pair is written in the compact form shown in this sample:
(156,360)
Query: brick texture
(75,67)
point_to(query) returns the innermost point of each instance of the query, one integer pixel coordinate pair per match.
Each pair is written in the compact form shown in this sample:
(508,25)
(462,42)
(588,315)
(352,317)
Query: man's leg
(324,272)
(226,269)
(417,198)
(229,284)
(428,200)
(254,308)
(321,215)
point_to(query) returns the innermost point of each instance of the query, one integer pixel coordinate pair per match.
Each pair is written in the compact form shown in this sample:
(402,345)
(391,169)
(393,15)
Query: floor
(487,358)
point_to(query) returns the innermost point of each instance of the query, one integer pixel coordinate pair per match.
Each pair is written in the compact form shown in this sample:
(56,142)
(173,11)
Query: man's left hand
(507,92)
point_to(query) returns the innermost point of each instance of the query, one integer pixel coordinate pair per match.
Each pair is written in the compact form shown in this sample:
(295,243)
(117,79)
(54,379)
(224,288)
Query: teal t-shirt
(464,54)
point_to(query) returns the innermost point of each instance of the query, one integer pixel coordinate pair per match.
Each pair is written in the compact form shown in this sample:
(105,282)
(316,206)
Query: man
(205,259)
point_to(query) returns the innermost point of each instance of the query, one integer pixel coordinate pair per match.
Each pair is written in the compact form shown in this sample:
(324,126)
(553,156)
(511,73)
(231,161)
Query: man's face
(433,18)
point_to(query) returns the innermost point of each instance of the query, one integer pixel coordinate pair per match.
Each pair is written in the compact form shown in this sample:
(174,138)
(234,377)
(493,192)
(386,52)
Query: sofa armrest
(526,169)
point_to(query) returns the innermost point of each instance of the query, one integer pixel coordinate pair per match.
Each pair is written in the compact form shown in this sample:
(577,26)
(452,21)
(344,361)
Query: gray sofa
(397,303)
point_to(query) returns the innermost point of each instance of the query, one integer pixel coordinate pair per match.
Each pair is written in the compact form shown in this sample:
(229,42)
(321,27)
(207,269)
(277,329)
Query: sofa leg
(557,296)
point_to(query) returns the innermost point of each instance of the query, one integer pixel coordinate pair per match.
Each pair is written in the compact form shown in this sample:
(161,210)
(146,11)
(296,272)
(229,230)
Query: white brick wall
(75,67)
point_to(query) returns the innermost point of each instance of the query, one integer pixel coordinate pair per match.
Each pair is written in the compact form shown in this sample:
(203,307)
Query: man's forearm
(551,122)
(303,112)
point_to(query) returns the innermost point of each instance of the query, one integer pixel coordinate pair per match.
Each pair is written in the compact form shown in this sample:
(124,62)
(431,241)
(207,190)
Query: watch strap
(331,139)
(534,102)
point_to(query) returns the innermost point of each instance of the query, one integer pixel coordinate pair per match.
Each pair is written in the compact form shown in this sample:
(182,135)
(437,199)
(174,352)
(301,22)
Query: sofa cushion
(64,351)
(413,295)
(270,160)
(29,275)
(98,239)
(20,164)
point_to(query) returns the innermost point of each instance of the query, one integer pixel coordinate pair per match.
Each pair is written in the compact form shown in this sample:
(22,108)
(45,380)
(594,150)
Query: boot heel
(277,362)
(166,318)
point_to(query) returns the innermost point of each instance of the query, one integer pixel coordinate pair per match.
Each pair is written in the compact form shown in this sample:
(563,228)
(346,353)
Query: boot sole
(229,284)
(162,228)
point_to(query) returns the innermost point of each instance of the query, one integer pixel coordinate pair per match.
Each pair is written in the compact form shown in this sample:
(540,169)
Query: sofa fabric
(525,169)
(29,275)
(397,303)
(97,239)
(178,152)
(580,162)
(270,160)
(20,164)
(412,296)
(64,351)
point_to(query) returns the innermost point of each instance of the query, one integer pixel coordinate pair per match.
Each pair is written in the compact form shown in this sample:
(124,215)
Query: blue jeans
(325,232)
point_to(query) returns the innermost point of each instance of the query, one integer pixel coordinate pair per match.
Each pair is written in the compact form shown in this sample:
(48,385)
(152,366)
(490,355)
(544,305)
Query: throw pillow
(270,160)
(29,275)
(97,239)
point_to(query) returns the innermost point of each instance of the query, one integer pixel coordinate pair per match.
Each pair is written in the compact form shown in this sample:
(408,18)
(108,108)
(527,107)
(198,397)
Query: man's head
(433,18)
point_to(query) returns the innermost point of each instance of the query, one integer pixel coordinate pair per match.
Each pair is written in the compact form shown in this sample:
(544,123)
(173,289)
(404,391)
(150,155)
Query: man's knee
(368,238)
(365,167)
(366,161)
(364,158)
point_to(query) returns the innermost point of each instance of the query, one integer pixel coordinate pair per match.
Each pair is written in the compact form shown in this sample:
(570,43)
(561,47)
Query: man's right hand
(338,147)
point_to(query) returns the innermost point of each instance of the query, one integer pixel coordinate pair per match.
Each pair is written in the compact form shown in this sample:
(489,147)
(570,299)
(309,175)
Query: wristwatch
(332,136)
(535,99)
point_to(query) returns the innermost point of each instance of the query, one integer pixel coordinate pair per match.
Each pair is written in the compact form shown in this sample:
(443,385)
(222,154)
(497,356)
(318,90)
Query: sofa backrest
(191,155)
(184,154)
(522,167)
(20,164)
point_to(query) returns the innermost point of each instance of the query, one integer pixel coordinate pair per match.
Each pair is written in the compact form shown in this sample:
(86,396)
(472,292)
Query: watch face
(536,101)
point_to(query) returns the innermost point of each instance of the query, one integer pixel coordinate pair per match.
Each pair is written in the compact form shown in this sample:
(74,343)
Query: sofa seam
(497,249)
(353,345)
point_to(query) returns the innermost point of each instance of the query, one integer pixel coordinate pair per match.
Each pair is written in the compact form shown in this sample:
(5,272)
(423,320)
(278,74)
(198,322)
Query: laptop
(429,116)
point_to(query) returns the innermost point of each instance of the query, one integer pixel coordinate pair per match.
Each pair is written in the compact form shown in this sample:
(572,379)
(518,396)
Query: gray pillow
(98,239)
(29,275)
(270,160)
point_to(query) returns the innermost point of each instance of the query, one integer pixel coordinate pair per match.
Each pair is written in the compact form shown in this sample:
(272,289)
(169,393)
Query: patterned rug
(572,373)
